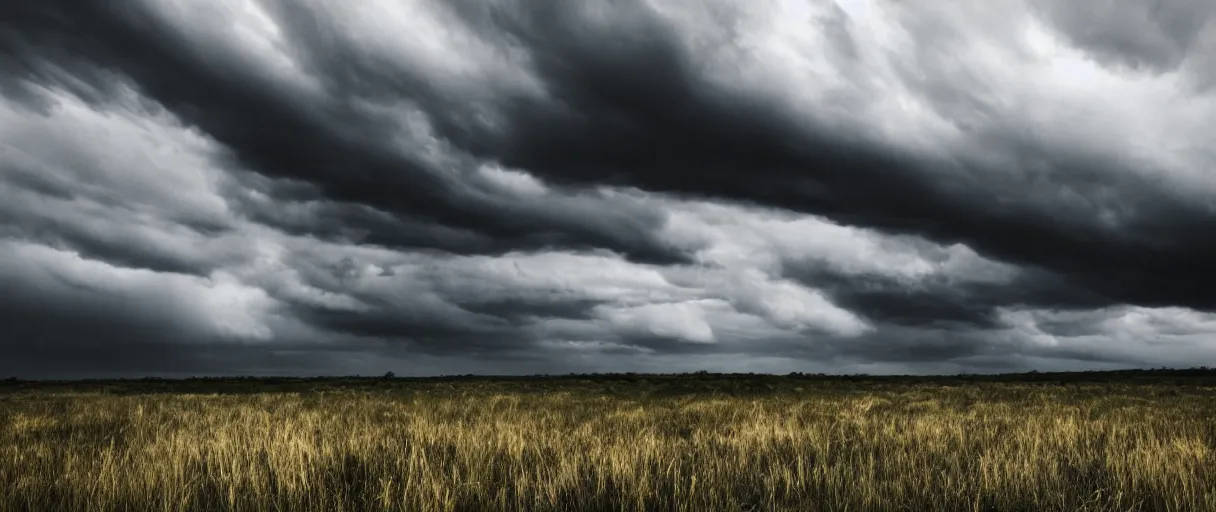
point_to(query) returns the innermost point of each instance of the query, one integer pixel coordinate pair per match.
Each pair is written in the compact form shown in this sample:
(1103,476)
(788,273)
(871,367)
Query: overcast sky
(194,187)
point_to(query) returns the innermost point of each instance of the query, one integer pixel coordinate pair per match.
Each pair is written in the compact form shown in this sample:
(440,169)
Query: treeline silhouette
(695,382)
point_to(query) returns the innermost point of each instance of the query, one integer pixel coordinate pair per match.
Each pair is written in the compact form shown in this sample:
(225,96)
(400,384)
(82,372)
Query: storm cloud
(312,187)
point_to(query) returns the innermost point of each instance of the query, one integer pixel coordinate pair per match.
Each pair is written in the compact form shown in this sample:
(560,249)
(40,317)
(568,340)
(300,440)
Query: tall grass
(486,446)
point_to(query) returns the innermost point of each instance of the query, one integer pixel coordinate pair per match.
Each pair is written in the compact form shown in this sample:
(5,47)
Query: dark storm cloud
(94,192)
(970,350)
(326,142)
(57,323)
(662,128)
(520,310)
(188,187)
(301,209)
(626,102)
(939,301)
(428,334)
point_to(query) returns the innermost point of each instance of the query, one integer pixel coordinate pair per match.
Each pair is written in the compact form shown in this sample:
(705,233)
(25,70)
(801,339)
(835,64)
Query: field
(1102,441)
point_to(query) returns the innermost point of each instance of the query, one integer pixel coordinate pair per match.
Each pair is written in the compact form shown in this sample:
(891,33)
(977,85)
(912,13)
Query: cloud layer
(309,187)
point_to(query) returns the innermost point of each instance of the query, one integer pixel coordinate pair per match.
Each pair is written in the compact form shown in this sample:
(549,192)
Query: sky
(326,187)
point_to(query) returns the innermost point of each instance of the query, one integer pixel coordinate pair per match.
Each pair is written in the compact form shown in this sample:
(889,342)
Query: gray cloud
(256,186)
(1150,36)
(348,148)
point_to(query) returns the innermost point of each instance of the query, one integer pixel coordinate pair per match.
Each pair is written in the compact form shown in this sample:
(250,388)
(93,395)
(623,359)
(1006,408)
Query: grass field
(1119,441)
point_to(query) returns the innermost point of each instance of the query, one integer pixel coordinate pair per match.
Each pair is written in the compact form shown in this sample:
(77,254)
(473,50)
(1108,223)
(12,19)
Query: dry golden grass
(590,445)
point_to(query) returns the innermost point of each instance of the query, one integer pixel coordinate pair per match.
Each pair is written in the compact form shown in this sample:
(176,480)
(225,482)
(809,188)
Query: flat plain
(1137,440)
